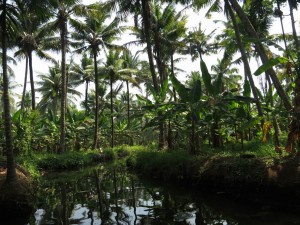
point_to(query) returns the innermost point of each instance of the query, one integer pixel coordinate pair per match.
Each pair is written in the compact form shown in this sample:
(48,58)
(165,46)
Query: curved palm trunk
(63,88)
(31,82)
(25,84)
(11,175)
(262,53)
(245,60)
(95,144)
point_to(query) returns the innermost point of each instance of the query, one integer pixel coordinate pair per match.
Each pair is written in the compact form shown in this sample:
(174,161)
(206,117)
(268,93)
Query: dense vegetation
(220,107)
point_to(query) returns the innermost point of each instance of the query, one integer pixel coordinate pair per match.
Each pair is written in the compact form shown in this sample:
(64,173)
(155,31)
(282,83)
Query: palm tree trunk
(147,26)
(95,144)
(86,95)
(293,27)
(63,88)
(31,82)
(128,104)
(25,84)
(11,175)
(245,59)
(282,28)
(111,112)
(295,123)
(262,53)
(172,71)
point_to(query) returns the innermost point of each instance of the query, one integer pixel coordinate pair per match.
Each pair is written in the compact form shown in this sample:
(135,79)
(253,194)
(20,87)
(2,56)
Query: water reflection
(109,195)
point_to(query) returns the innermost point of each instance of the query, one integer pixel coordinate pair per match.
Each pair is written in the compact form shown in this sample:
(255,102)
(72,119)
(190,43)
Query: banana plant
(219,103)
(190,103)
(156,109)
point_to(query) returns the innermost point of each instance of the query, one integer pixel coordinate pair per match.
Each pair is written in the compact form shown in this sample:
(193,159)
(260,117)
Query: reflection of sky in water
(155,205)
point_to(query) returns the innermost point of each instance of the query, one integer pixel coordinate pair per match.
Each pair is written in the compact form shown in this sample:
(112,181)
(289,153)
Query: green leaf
(143,99)
(196,92)
(269,64)
(153,92)
(241,112)
(217,84)
(249,124)
(180,88)
(16,116)
(206,77)
(164,90)
(247,89)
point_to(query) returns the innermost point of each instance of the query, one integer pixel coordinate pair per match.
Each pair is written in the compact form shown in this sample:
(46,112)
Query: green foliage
(161,164)
(269,64)
(206,78)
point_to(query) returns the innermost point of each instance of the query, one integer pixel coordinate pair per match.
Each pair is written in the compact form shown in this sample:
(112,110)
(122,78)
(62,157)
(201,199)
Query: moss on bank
(265,180)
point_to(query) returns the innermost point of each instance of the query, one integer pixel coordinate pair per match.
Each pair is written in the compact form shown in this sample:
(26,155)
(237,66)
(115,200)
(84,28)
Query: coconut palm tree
(113,69)
(261,51)
(244,58)
(11,170)
(93,35)
(50,89)
(30,38)
(130,62)
(143,9)
(62,11)
(85,74)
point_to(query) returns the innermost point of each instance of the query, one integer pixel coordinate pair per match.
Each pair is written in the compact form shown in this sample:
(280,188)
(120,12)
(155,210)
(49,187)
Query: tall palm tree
(141,8)
(11,170)
(62,11)
(50,89)
(244,58)
(30,38)
(131,62)
(261,51)
(93,35)
(113,69)
(85,74)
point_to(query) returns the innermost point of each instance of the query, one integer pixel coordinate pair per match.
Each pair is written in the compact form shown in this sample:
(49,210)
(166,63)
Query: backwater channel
(110,195)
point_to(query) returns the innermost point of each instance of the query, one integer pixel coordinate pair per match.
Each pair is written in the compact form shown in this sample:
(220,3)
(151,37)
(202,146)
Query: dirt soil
(17,198)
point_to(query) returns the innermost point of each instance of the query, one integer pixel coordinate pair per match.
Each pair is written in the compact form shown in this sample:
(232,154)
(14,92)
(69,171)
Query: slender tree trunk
(11,169)
(296,40)
(25,84)
(282,28)
(31,82)
(245,60)
(95,144)
(111,112)
(86,95)
(172,71)
(147,28)
(274,120)
(128,104)
(295,123)
(262,53)
(192,138)
(63,35)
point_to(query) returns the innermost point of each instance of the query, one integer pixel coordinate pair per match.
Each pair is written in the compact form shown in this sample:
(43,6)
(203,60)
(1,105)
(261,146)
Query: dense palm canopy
(221,98)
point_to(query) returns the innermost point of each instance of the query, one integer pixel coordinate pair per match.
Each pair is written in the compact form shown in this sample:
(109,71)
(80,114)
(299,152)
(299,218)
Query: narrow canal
(110,195)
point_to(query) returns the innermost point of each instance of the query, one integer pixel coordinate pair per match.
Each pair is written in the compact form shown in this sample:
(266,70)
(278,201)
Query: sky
(41,67)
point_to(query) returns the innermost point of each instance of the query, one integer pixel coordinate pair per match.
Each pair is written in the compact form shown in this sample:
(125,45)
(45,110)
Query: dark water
(110,195)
